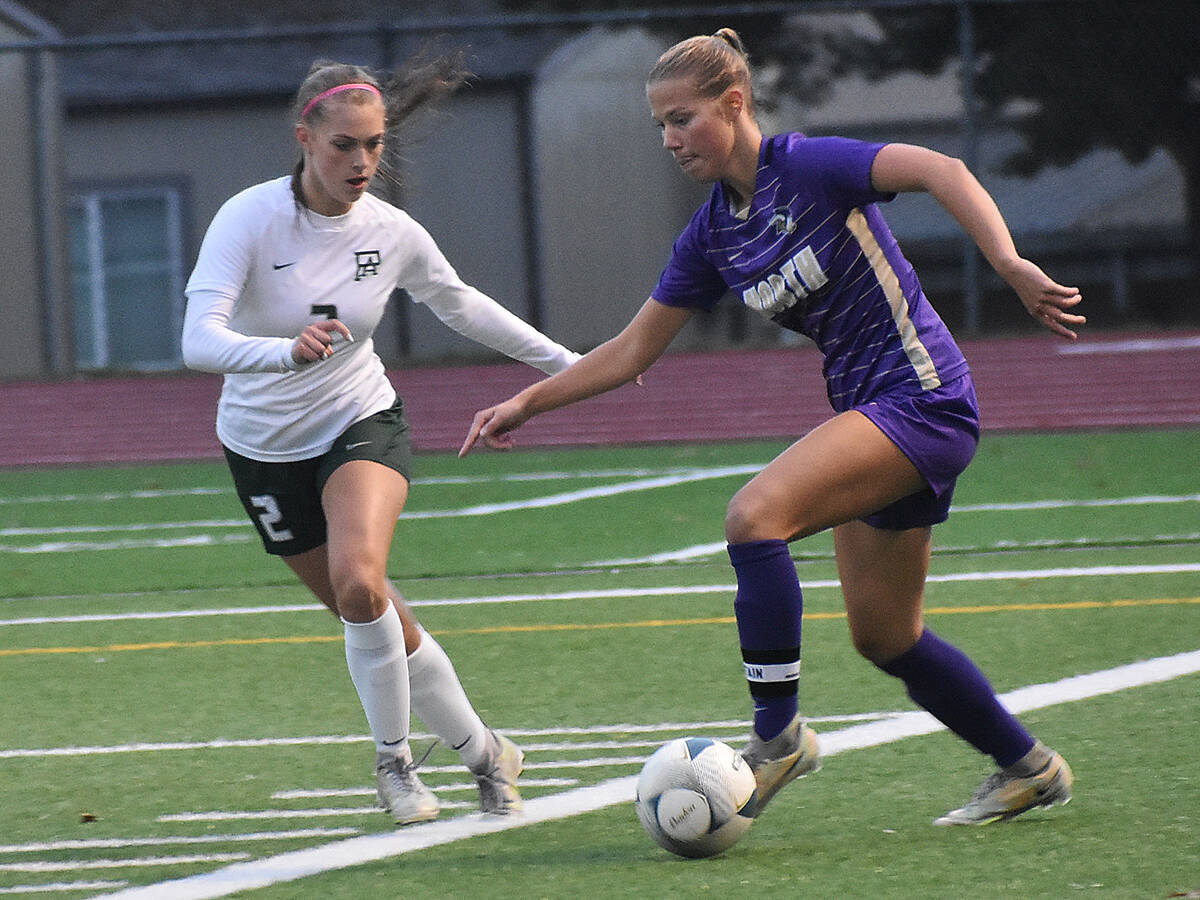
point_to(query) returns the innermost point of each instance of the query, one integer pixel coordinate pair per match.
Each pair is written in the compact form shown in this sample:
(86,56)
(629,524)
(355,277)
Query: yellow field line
(595,626)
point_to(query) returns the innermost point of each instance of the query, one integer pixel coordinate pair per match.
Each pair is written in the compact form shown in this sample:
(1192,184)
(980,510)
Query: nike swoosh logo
(359,444)
(278,266)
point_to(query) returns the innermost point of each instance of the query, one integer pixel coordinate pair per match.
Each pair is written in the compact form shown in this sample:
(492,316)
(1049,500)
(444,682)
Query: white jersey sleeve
(268,268)
(209,344)
(473,314)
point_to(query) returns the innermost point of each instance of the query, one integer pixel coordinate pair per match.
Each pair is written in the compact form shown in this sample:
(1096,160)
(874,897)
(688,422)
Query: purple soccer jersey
(814,254)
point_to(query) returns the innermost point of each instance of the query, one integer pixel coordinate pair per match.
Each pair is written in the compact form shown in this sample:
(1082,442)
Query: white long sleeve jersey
(267,268)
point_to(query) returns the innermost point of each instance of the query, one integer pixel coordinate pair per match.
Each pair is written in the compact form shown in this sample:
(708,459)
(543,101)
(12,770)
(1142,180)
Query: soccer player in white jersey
(291,281)
(793,230)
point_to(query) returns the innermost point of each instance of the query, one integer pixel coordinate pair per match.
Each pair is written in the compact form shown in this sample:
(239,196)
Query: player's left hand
(1049,302)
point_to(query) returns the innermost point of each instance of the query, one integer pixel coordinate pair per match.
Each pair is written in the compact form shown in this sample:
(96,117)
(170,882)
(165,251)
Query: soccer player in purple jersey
(792,229)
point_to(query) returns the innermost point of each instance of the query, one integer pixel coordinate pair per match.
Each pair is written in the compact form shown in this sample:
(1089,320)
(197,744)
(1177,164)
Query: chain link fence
(1080,117)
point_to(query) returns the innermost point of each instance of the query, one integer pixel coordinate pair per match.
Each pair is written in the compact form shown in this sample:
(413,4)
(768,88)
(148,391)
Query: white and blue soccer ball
(696,797)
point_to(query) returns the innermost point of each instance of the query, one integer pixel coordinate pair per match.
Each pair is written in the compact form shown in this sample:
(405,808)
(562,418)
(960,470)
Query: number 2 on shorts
(270,517)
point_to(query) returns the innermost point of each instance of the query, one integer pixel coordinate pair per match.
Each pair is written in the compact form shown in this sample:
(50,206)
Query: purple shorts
(938,431)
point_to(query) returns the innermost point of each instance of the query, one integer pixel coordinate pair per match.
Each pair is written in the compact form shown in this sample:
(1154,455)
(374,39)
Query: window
(127,277)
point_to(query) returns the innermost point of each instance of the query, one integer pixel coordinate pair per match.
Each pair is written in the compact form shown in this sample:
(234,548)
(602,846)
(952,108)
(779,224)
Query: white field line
(718,548)
(329,793)
(190,541)
(1140,345)
(619,593)
(612,490)
(740,725)
(678,477)
(57,887)
(255,815)
(112,496)
(75,865)
(292,866)
(176,840)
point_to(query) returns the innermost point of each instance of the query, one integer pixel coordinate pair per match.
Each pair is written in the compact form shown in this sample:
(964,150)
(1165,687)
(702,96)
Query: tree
(1103,73)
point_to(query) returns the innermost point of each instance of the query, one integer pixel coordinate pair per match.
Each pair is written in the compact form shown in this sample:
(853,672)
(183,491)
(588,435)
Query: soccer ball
(696,797)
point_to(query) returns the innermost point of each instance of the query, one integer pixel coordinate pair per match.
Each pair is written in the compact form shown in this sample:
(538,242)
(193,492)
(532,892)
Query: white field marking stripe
(177,840)
(629,728)
(62,887)
(327,793)
(136,526)
(618,729)
(227,744)
(489,509)
(1141,345)
(644,484)
(110,496)
(1020,506)
(199,540)
(248,815)
(368,848)
(616,593)
(697,551)
(73,865)
(168,614)
(681,476)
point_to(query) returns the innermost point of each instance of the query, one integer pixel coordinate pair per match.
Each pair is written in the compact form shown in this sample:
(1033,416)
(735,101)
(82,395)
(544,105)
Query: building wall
(21,294)
(464,181)
(461,180)
(212,152)
(610,199)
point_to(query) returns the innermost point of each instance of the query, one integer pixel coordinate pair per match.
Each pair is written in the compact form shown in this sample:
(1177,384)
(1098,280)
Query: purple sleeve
(843,167)
(690,279)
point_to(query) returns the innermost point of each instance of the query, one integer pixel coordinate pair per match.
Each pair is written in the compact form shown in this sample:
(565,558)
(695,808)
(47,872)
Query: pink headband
(355,86)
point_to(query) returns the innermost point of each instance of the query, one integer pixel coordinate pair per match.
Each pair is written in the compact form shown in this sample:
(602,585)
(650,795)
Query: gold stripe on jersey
(927,373)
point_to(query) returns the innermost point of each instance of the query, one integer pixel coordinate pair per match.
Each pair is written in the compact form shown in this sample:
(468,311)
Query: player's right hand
(495,426)
(315,342)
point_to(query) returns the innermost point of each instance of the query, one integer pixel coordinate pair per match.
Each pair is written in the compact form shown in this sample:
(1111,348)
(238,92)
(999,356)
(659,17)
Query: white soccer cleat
(1014,790)
(497,778)
(401,792)
(789,755)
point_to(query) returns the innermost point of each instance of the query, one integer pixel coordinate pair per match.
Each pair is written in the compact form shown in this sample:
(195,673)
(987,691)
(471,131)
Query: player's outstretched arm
(614,363)
(904,167)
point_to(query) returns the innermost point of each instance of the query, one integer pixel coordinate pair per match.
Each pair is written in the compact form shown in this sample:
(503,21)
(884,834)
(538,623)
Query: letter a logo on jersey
(366,263)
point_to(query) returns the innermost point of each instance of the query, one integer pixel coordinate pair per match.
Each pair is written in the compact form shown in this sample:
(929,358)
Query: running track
(1107,381)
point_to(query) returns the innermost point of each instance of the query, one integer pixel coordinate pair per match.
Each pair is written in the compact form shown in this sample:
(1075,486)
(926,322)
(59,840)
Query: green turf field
(174,705)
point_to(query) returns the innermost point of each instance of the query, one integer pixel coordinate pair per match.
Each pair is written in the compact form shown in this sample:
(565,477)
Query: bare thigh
(362,501)
(883,582)
(840,471)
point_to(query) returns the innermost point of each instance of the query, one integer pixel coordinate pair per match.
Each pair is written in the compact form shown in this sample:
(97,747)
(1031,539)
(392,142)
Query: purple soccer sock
(768,609)
(942,679)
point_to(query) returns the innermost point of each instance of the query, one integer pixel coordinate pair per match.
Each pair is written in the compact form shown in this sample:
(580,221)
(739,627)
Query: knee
(360,596)
(871,647)
(880,647)
(748,518)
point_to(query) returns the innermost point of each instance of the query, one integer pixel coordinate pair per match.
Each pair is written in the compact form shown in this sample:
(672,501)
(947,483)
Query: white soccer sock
(440,702)
(379,670)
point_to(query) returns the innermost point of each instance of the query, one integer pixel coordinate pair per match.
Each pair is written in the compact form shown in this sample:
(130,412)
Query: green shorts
(284,499)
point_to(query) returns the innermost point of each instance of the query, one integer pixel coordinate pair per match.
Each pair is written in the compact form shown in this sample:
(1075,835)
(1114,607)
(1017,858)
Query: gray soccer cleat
(401,792)
(497,778)
(789,755)
(1019,788)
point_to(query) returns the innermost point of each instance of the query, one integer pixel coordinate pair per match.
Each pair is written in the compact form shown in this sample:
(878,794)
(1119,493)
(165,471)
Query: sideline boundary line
(297,864)
(613,593)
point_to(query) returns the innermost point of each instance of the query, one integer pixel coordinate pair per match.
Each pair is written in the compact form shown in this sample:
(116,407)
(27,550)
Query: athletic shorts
(283,499)
(938,431)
